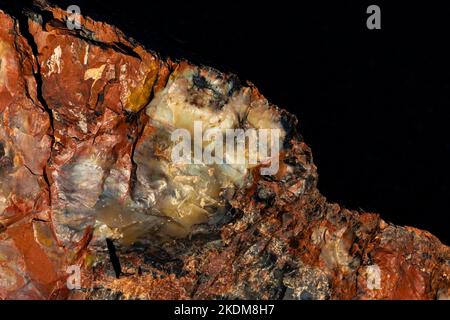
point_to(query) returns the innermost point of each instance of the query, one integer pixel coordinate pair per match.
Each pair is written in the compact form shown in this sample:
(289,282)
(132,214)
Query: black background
(372,104)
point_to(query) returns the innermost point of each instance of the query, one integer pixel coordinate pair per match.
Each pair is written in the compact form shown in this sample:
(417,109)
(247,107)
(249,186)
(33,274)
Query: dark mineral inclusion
(87,180)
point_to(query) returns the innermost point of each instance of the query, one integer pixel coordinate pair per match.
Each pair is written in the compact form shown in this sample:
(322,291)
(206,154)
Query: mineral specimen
(89,180)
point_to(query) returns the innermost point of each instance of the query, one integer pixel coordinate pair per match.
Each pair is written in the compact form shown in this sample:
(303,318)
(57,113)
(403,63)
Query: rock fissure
(95,113)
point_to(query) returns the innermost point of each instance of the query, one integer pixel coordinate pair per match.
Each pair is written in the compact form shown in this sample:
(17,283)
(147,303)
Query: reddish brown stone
(77,137)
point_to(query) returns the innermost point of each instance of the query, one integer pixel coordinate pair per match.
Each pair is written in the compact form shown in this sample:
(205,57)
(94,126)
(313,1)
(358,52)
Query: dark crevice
(31,171)
(138,117)
(21,13)
(21,17)
(2,228)
(83,33)
(32,8)
(114,258)
(133,177)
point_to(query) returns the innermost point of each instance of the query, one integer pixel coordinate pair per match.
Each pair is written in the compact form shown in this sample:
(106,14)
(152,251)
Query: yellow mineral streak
(94,73)
(140,96)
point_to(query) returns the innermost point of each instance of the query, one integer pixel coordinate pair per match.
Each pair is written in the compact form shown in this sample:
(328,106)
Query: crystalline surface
(91,134)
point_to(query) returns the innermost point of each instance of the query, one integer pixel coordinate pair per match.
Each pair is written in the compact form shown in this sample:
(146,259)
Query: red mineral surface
(87,181)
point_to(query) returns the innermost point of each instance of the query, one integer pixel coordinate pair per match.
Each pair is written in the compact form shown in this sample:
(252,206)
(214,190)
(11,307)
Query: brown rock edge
(66,94)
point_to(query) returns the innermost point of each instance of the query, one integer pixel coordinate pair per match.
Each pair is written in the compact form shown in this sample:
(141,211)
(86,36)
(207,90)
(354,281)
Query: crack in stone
(22,20)
(284,240)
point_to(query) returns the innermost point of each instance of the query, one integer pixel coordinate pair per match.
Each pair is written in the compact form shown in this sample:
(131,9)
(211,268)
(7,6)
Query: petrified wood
(87,180)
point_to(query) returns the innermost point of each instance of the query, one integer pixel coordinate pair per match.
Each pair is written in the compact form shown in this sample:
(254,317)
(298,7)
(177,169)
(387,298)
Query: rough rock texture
(86,180)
